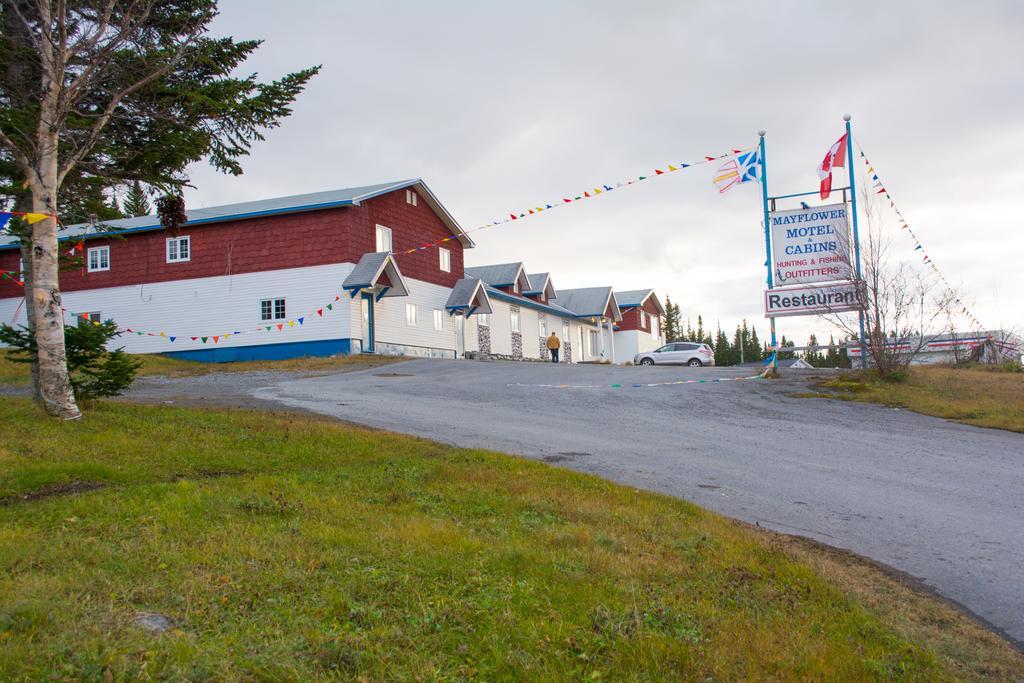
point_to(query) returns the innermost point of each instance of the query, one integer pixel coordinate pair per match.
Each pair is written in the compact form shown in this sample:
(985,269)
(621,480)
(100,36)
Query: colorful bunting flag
(926,259)
(30,217)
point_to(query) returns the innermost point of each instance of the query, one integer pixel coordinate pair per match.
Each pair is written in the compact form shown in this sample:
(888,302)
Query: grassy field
(284,547)
(18,374)
(983,396)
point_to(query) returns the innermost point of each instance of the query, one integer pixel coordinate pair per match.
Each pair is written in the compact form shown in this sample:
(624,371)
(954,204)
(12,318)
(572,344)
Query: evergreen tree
(844,360)
(721,347)
(831,355)
(670,322)
(812,355)
(135,202)
(753,347)
(129,93)
(699,337)
(785,355)
(95,372)
(735,348)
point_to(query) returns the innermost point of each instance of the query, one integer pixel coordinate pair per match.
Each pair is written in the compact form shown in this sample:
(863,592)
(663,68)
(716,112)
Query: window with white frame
(438,319)
(446,259)
(593,343)
(179,249)
(515,286)
(272,309)
(483,319)
(89,318)
(410,314)
(514,319)
(383,238)
(410,197)
(655,326)
(543,326)
(98,259)
(643,319)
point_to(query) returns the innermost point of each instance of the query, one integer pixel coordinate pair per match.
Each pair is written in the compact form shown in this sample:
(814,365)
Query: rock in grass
(153,622)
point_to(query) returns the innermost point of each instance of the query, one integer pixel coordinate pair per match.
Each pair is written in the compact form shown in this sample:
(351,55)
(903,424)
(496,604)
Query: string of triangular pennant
(547,206)
(12,275)
(589,193)
(277,325)
(29,217)
(879,187)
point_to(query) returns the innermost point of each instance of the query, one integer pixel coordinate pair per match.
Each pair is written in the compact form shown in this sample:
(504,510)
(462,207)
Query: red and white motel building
(338,272)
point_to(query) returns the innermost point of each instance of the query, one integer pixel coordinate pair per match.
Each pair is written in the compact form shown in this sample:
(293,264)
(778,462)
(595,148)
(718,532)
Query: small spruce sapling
(95,372)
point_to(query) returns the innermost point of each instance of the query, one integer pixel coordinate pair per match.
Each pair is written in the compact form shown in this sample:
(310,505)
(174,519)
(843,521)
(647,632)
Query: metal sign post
(856,235)
(767,235)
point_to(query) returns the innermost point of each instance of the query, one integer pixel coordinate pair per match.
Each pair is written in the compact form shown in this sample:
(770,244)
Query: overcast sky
(501,107)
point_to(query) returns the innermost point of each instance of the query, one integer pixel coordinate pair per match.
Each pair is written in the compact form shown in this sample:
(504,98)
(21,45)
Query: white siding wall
(628,343)
(588,354)
(205,307)
(529,323)
(501,328)
(390,324)
(208,307)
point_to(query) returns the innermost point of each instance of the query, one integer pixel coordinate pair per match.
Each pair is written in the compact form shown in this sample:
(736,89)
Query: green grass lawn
(985,396)
(286,547)
(18,374)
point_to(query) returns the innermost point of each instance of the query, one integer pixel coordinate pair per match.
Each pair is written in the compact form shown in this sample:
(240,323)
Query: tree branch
(108,111)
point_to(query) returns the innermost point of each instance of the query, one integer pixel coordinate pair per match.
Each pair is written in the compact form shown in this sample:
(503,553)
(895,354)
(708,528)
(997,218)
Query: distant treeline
(745,346)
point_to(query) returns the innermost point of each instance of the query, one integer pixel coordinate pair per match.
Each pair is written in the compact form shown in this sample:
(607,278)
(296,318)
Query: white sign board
(814,300)
(810,245)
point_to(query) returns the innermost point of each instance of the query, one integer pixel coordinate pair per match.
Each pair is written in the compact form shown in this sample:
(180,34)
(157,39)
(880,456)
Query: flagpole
(856,235)
(767,232)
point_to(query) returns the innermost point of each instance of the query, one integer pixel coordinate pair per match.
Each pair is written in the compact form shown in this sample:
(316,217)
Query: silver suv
(677,353)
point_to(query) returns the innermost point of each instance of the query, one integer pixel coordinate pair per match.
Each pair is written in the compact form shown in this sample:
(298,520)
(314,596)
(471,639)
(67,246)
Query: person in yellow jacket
(553,346)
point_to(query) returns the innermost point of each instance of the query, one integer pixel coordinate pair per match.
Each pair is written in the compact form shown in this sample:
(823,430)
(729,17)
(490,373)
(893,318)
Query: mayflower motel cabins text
(337,272)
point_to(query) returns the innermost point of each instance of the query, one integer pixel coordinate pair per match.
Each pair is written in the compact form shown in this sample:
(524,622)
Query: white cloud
(500,107)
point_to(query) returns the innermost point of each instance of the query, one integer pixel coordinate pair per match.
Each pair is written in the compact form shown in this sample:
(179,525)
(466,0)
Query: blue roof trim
(530,303)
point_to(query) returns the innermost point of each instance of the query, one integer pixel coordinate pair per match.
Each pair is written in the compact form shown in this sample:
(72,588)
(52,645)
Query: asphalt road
(940,501)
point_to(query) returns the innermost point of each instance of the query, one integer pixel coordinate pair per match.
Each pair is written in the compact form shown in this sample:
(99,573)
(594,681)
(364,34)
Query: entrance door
(460,336)
(366,303)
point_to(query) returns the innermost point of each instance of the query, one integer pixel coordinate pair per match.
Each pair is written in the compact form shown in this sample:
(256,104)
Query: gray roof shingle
(498,275)
(538,282)
(467,293)
(369,269)
(588,301)
(635,297)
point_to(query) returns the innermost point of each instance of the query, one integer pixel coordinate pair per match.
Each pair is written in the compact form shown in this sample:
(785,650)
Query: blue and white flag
(743,169)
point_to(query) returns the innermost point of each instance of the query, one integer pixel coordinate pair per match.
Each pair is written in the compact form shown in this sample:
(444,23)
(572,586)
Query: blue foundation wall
(326,347)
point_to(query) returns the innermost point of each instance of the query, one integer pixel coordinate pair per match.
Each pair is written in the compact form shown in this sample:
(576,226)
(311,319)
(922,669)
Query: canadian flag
(836,156)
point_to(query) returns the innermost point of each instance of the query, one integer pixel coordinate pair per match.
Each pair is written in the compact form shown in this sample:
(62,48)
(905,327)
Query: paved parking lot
(941,501)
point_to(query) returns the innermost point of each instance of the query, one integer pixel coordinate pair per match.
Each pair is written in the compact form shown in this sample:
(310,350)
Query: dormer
(542,290)
(510,278)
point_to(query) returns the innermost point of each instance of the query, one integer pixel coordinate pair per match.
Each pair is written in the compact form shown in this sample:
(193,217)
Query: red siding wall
(631,316)
(270,243)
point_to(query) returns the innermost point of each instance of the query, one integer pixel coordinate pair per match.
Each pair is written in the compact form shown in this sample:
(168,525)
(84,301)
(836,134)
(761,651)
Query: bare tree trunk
(54,383)
(30,312)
